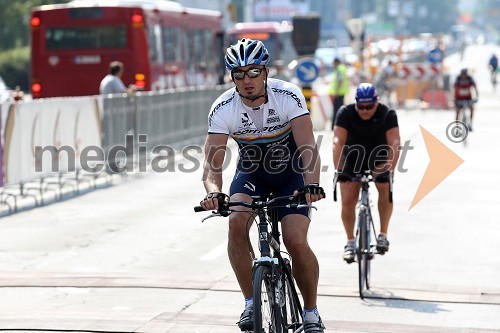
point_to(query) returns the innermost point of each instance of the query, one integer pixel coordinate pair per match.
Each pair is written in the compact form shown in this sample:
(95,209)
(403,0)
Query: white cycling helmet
(246,52)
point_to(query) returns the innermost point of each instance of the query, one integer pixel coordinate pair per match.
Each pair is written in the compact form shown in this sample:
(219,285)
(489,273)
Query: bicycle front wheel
(266,317)
(362,254)
(291,309)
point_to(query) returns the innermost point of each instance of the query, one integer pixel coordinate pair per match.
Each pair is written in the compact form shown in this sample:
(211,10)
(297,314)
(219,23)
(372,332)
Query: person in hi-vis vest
(339,87)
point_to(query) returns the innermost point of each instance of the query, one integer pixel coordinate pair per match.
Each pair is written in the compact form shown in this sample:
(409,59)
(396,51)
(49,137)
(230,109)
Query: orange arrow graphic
(442,162)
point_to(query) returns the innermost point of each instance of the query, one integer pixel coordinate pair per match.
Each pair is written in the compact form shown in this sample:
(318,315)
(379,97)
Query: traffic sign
(307,71)
(436,55)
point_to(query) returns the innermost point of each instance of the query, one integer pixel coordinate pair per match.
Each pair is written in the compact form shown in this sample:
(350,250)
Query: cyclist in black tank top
(366,137)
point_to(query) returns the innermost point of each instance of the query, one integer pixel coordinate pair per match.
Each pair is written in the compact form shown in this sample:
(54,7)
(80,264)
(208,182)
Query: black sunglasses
(365,107)
(252,73)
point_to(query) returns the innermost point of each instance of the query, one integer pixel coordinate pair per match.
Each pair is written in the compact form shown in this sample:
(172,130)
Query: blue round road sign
(436,55)
(307,71)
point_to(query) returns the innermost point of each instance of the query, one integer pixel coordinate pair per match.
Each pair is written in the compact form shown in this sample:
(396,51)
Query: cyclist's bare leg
(349,192)
(384,206)
(471,107)
(239,247)
(457,112)
(305,266)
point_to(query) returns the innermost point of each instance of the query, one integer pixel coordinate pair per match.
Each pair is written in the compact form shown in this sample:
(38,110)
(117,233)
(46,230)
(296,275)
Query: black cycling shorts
(355,169)
(261,183)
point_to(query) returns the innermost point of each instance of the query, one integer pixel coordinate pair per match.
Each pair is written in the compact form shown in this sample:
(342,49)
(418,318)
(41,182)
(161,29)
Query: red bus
(277,37)
(162,45)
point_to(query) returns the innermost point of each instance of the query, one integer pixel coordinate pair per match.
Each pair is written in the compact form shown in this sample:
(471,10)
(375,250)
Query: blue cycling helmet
(366,93)
(246,52)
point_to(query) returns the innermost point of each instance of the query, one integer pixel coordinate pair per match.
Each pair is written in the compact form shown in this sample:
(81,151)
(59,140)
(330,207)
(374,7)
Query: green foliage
(14,37)
(15,67)
(14,21)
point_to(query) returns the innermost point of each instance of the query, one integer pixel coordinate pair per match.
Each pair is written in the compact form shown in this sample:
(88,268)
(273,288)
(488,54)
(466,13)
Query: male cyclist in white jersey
(269,121)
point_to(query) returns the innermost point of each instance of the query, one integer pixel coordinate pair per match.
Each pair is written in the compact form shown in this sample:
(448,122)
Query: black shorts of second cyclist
(261,183)
(352,171)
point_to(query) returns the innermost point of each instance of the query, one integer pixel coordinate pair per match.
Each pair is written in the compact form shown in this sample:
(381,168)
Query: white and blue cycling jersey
(268,156)
(272,146)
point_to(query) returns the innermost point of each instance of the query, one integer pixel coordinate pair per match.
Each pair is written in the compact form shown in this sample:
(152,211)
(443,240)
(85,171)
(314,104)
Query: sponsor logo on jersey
(288,93)
(245,119)
(217,107)
(271,120)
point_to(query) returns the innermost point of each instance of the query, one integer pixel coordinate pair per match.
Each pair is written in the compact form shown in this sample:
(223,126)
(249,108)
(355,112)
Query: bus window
(198,47)
(86,38)
(171,40)
(86,13)
(153,47)
(287,50)
(188,60)
(271,46)
(209,47)
(158,39)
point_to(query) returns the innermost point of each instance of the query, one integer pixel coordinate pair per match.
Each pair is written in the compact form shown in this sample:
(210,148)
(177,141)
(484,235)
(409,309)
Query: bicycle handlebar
(365,177)
(295,202)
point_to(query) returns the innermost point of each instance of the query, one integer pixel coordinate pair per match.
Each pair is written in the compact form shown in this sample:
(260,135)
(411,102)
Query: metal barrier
(109,123)
(165,117)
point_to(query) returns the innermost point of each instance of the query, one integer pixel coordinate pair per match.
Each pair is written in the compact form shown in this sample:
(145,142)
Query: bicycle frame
(364,232)
(365,228)
(464,117)
(270,256)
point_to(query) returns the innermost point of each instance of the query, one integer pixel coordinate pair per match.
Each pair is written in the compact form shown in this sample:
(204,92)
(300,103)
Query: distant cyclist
(493,65)
(366,137)
(463,89)
(384,81)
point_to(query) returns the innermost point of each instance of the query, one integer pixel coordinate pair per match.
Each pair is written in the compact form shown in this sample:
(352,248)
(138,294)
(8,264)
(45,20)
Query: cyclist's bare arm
(339,140)
(215,151)
(302,129)
(476,97)
(394,141)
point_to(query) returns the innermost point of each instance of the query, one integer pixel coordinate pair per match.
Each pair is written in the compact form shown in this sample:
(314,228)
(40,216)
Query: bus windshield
(73,38)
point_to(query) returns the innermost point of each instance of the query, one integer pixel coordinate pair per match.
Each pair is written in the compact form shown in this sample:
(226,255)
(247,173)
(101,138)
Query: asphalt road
(134,257)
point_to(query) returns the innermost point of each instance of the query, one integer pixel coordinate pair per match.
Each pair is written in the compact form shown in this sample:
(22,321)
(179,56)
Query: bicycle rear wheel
(266,317)
(362,254)
(370,249)
(291,309)
(465,121)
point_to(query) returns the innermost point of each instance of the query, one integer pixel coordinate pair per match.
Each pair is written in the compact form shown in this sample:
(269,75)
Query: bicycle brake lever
(210,216)
(308,206)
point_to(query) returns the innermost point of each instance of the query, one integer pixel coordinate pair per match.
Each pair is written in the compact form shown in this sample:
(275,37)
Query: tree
(14,21)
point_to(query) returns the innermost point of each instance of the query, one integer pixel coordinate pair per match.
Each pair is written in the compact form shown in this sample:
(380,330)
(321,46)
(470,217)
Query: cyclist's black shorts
(356,171)
(463,102)
(261,183)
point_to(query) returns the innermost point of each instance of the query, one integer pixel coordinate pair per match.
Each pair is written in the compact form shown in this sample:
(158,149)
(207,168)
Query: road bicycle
(493,77)
(277,307)
(463,127)
(384,86)
(365,227)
